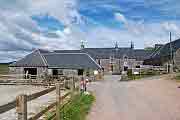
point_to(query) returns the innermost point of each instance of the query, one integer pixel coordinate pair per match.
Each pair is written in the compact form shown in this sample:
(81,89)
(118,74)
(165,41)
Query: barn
(42,62)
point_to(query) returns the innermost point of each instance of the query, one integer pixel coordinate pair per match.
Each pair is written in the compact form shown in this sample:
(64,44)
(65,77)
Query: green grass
(177,77)
(4,69)
(78,108)
(149,73)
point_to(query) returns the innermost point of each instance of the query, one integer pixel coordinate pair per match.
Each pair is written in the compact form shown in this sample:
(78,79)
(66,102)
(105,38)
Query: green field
(4,69)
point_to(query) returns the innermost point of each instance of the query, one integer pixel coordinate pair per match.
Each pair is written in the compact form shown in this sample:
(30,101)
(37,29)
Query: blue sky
(62,24)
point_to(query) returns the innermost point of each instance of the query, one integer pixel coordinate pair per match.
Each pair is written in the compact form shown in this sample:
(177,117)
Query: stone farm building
(109,60)
(41,62)
(165,55)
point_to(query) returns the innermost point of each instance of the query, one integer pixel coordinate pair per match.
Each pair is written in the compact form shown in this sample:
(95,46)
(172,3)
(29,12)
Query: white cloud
(20,33)
(140,33)
(171,27)
(120,17)
(67,31)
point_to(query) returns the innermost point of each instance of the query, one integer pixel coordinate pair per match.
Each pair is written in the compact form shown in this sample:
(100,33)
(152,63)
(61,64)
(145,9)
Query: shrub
(77,109)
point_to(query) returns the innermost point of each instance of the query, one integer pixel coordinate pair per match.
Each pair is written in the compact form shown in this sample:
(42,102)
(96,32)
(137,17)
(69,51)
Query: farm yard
(44,102)
(153,98)
(89,60)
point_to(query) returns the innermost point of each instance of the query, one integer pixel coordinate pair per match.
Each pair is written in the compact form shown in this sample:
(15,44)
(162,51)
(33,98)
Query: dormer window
(125,57)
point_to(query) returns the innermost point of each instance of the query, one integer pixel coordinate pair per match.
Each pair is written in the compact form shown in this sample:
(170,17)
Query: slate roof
(68,51)
(71,61)
(105,53)
(33,59)
(140,54)
(78,58)
(42,58)
(163,54)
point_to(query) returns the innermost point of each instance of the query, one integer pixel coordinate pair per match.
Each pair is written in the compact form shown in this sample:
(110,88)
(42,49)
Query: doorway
(55,73)
(30,71)
(80,72)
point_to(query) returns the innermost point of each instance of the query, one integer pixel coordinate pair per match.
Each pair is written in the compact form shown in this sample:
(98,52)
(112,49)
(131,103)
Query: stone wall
(105,64)
(118,64)
(177,59)
(19,71)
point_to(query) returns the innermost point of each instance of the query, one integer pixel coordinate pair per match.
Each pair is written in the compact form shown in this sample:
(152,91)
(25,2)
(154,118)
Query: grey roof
(78,59)
(141,54)
(32,60)
(43,58)
(105,53)
(70,61)
(68,51)
(42,51)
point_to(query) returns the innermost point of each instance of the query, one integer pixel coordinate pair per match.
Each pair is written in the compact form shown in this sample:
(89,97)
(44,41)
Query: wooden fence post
(22,107)
(79,84)
(72,86)
(58,100)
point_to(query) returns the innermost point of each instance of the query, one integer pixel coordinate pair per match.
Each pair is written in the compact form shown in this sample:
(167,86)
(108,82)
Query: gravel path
(149,99)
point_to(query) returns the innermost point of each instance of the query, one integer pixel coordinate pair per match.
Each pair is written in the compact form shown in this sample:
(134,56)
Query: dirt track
(148,99)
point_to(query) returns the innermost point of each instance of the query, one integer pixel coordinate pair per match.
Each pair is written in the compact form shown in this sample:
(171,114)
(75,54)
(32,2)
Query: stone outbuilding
(166,55)
(41,63)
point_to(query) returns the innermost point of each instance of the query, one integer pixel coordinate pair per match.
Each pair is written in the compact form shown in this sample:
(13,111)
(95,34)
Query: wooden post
(22,107)
(79,84)
(58,100)
(72,86)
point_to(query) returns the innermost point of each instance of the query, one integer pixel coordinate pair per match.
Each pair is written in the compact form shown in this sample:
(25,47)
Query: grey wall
(118,64)
(19,71)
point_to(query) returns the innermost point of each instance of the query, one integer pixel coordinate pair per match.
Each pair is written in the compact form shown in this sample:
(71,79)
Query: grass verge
(177,77)
(78,108)
(3,68)
(144,74)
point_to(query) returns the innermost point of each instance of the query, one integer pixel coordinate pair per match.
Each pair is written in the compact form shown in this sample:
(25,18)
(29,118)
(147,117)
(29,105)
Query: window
(125,68)
(138,66)
(99,61)
(112,68)
(80,72)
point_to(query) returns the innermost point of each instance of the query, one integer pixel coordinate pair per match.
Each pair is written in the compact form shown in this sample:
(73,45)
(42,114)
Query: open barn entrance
(80,72)
(30,72)
(55,73)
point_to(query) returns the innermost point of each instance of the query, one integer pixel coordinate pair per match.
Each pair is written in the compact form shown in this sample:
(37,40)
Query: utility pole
(171,52)
(170,40)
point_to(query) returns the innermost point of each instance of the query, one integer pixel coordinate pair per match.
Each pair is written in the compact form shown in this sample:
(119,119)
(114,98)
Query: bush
(129,72)
(177,77)
(78,108)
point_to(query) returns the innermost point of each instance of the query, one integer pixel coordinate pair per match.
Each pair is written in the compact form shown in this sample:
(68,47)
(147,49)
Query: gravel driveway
(149,99)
